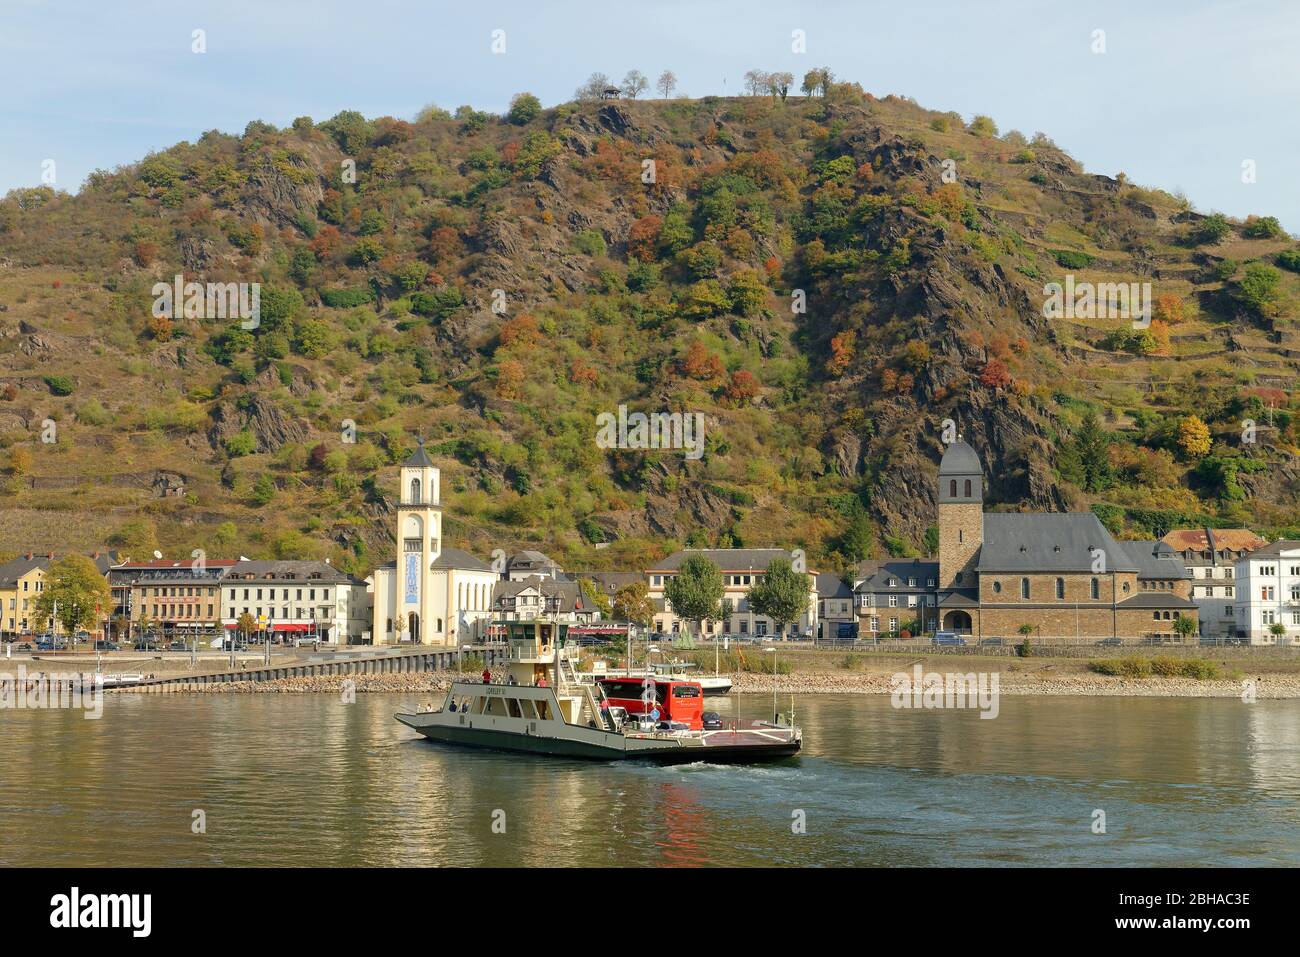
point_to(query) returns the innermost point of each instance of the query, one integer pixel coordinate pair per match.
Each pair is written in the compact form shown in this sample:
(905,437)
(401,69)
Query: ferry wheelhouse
(540,706)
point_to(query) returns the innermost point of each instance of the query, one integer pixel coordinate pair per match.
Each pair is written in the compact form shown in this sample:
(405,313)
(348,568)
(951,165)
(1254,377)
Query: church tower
(961,516)
(419,543)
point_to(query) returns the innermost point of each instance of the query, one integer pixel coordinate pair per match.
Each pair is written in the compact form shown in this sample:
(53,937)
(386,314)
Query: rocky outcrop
(259,416)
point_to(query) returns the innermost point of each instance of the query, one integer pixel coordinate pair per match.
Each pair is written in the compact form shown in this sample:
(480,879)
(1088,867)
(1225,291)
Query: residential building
(293,599)
(835,613)
(21,582)
(741,569)
(528,564)
(430,595)
(1267,603)
(1061,574)
(898,594)
(1211,555)
(539,597)
(171,599)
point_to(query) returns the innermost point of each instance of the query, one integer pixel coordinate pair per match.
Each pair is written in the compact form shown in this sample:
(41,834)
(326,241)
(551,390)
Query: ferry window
(512,705)
(544,710)
(686,691)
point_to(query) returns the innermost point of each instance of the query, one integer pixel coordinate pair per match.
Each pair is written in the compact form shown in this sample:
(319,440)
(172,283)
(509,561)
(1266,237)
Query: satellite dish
(157,554)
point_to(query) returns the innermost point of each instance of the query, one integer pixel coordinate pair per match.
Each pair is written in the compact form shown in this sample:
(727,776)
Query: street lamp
(775,715)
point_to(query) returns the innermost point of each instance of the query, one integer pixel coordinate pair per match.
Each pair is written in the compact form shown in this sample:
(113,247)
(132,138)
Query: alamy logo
(930,690)
(213,300)
(1103,300)
(103,910)
(39,692)
(657,430)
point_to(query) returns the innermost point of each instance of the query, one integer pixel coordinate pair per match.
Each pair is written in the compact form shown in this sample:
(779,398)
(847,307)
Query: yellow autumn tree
(1193,436)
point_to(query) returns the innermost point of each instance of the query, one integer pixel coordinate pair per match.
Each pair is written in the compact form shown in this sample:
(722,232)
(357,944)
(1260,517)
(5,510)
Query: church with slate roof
(1060,573)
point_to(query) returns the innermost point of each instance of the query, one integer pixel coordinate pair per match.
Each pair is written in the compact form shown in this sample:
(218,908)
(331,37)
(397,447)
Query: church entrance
(413,626)
(957,621)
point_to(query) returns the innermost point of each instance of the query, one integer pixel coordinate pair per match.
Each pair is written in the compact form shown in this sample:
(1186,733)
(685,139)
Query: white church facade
(430,595)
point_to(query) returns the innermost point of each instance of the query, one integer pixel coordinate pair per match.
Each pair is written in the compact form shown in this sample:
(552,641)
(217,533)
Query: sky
(1185,92)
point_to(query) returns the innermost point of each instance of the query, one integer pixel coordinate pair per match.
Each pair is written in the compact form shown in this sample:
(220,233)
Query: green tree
(781,594)
(524,108)
(632,603)
(593,593)
(75,593)
(1085,459)
(1185,626)
(695,592)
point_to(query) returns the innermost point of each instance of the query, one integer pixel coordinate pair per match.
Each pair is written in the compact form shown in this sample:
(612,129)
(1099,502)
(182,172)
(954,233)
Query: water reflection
(308,780)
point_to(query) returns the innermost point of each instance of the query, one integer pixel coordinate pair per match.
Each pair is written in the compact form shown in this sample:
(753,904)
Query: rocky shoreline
(806,683)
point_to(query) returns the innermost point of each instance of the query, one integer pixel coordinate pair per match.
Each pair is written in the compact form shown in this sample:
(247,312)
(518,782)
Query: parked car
(46,644)
(26,646)
(1113,640)
(948,638)
(178,646)
(996,642)
(147,644)
(102,645)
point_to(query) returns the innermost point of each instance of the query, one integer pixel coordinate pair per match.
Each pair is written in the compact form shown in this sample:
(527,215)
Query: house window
(893,601)
(1094,589)
(893,624)
(1024,588)
(875,623)
(1060,588)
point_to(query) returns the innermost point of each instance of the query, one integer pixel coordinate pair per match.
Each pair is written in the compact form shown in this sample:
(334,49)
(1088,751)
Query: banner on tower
(412,578)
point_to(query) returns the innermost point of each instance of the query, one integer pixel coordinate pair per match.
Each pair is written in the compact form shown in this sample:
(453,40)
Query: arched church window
(415,490)
(1024,588)
(952,488)
(1060,588)
(968,488)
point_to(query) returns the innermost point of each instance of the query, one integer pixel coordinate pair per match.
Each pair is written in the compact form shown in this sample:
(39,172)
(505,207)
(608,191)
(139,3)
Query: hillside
(924,302)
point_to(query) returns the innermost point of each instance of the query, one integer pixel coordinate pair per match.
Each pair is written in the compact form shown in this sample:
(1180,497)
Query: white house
(429,595)
(1268,594)
(1211,555)
(741,569)
(296,599)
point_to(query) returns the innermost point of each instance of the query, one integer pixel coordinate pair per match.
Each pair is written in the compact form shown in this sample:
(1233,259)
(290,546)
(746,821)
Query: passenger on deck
(541,682)
(487,676)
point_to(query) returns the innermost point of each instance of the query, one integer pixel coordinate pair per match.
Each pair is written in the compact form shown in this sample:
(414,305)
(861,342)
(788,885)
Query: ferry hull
(584,743)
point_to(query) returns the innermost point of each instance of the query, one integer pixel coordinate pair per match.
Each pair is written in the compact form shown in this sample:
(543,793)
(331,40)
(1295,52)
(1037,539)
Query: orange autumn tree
(701,364)
(522,330)
(643,238)
(995,375)
(1169,309)
(510,376)
(843,349)
(742,388)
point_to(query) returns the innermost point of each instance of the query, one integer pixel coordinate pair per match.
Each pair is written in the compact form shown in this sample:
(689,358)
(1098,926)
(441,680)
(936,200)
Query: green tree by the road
(695,592)
(74,593)
(781,594)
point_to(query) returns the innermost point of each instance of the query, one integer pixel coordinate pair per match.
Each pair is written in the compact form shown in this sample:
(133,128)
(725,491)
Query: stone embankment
(845,682)
(414,682)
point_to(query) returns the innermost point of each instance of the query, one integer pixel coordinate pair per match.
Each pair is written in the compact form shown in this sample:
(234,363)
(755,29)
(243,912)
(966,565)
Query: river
(284,779)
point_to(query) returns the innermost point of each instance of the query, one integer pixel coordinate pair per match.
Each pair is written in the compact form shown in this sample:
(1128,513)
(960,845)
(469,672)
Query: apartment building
(741,569)
(293,599)
(1211,556)
(1267,603)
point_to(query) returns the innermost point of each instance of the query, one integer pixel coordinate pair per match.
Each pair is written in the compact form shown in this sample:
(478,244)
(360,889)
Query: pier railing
(393,662)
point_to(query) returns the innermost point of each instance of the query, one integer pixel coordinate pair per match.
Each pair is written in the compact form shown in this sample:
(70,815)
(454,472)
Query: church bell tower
(961,516)
(419,542)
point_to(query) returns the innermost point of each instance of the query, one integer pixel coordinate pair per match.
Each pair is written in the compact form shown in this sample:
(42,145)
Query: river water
(285,779)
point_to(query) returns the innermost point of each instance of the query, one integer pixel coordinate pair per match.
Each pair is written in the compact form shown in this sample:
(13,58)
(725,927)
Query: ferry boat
(542,707)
